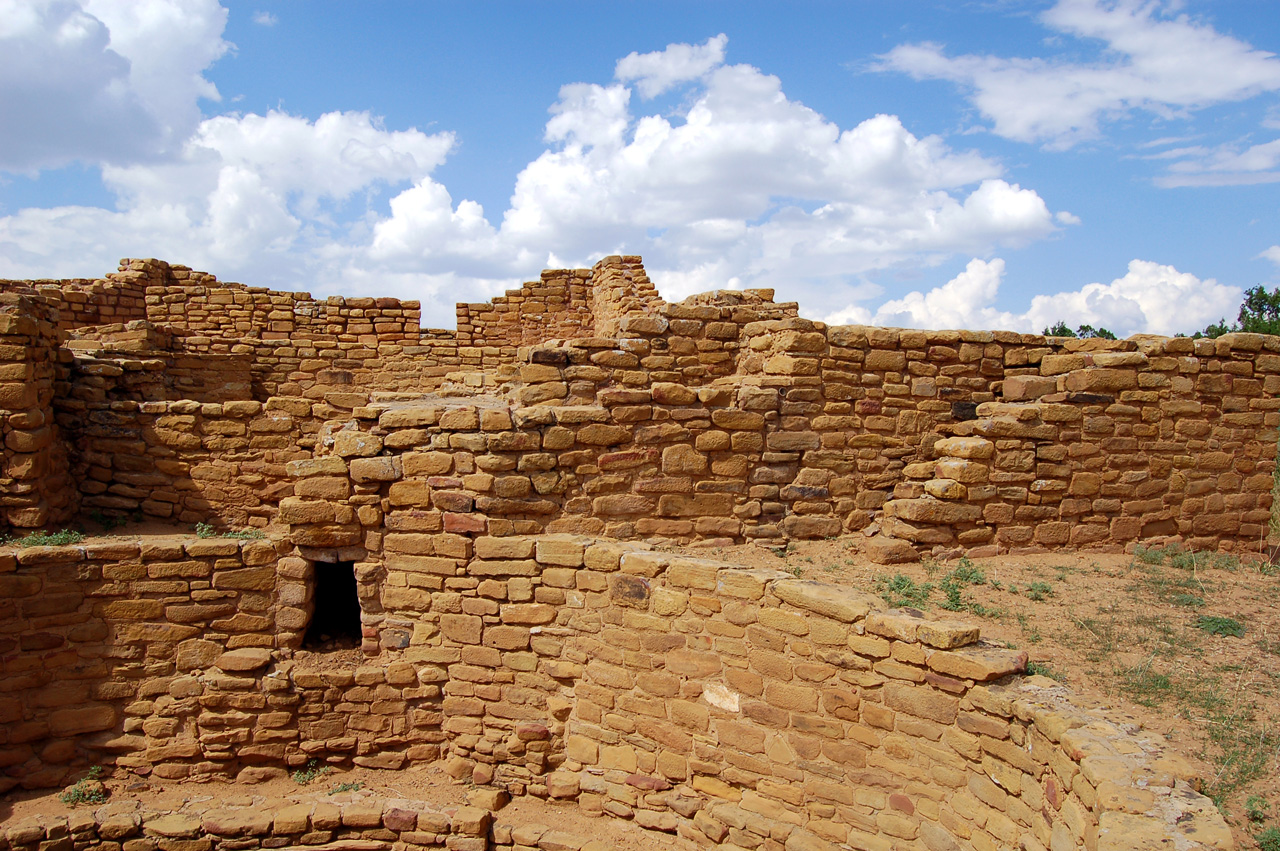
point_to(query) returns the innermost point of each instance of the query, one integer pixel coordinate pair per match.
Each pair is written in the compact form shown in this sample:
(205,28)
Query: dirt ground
(1189,644)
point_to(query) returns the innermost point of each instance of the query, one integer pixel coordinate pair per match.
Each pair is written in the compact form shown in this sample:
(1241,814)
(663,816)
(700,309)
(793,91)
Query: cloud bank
(739,186)
(1150,298)
(1153,61)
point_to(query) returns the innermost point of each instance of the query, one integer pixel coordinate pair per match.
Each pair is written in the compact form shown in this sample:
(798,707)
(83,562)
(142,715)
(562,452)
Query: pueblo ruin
(478,511)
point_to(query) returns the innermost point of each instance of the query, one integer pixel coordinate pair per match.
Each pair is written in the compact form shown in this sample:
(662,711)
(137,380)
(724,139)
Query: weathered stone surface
(244,660)
(827,600)
(884,550)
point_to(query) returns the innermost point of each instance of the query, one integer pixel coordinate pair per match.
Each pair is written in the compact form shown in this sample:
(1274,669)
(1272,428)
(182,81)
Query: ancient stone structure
(485,498)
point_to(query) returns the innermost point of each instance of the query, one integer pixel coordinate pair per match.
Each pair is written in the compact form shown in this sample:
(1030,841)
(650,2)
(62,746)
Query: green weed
(1144,685)
(1269,839)
(87,790)
(1256,808)
(312,771)
(45,539)
(953,584)
(339,788)
(206,530)
(1044,670)
(1039,591)
(1220,625)
(901,590)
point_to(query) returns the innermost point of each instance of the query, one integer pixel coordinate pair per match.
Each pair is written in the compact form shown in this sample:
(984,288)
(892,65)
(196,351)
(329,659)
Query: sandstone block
(356,444)
(667,393)
(244,660)
(945,635)
(381,469)
(944,488)
(1019,388)
(329,465)
(827,600)
(567,551)
(504,548)
(884,550)
(968,472)
(173,826)
(682,459)
(464,629)
(978,662)
(1097,380)
(598,434)
(934,511)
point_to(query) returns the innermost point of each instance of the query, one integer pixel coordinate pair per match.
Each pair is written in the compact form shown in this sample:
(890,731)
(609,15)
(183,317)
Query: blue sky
(983,165)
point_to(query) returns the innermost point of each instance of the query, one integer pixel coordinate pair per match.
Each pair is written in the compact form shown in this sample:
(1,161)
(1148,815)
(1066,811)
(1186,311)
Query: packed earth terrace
(478,512)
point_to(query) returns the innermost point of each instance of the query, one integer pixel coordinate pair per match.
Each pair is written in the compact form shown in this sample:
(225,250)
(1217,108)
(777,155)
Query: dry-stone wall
(35,489)
(726,416)
(366,824)
(728,705)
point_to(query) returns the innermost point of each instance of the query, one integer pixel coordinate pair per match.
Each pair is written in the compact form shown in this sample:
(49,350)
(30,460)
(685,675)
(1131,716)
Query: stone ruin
(477,510)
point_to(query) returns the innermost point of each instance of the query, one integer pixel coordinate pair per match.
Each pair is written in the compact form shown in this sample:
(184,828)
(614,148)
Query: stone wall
(722,703)
(118,297)
(366,824)
(773,439)
(34,487)
(187,461)
(727,416)
(1163,438)
(102,643)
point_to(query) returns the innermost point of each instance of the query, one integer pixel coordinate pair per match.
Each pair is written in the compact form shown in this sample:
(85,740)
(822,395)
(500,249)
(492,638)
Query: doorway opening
(335,618)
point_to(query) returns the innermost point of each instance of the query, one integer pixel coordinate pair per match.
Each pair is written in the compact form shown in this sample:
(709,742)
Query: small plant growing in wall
(206,530)
(45,539)
(87,790)
(312,771)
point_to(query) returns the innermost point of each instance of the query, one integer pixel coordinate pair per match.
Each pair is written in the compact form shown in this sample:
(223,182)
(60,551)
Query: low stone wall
(722,703)
(100,642)
(368,824)
(1174,439)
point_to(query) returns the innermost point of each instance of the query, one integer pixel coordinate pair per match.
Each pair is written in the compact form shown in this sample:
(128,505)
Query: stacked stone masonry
(723,417)
(480,480)
(334,825)
(736,707)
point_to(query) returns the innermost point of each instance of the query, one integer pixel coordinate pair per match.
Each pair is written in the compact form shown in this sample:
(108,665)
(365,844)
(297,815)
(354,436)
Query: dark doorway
(335,621)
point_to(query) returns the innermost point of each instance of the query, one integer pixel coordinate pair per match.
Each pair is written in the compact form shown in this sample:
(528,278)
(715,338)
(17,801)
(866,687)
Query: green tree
(1090,331)
(1259,314)
(1060,329)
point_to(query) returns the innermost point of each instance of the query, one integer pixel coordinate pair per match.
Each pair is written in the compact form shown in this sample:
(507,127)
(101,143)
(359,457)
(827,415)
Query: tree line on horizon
(1259,314)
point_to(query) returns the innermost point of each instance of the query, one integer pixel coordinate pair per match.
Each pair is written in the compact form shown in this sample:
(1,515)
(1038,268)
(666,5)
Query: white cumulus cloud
(655,73)
(739,186)
(1151,298)
(102,80)
(248,195)
(1155,60)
